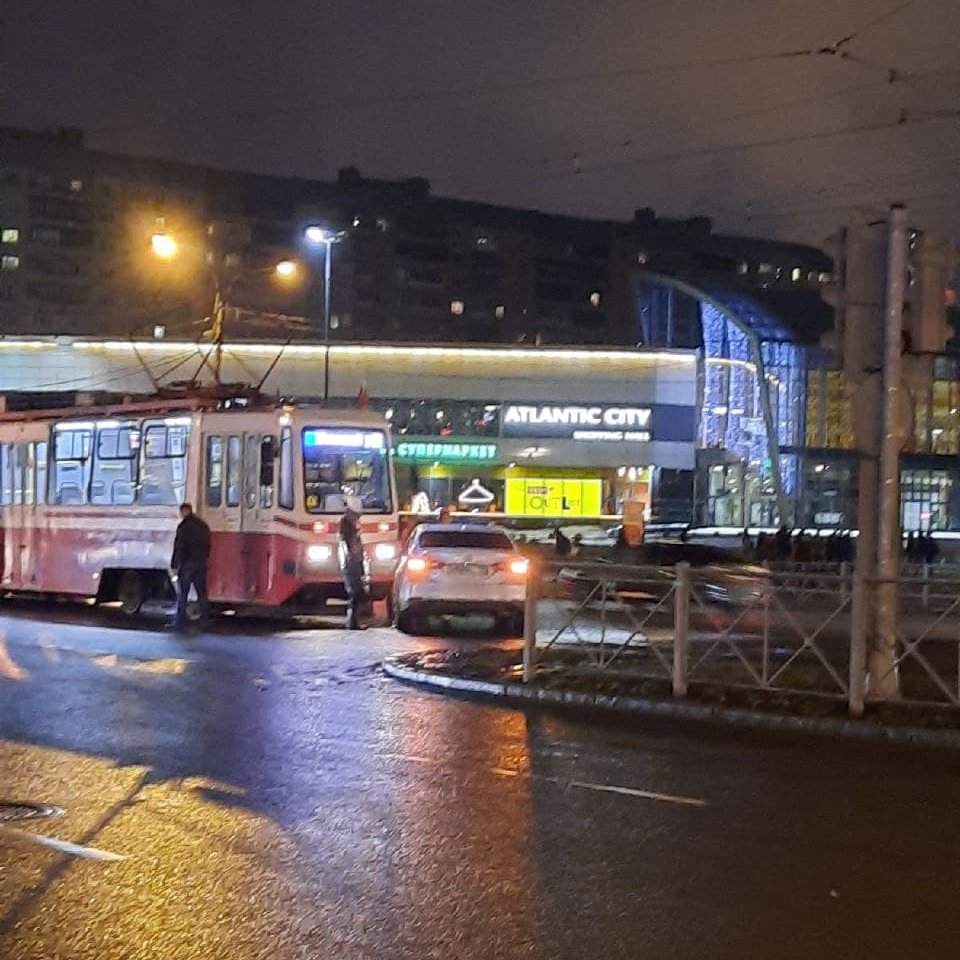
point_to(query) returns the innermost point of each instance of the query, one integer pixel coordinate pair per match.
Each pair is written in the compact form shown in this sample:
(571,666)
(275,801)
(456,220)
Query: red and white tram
(89,499)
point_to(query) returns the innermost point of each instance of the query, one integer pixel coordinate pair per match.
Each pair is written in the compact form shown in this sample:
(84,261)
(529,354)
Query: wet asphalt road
(275,796)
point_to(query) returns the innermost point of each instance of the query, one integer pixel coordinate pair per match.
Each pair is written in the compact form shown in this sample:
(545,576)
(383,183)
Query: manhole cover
(13,810)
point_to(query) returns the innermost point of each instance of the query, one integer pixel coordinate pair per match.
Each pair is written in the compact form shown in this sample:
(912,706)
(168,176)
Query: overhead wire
(901,121)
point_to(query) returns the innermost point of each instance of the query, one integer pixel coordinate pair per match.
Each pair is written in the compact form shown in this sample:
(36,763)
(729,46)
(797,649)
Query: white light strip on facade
(306,349)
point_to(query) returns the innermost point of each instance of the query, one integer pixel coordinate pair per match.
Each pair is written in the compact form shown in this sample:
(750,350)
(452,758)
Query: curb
(679,710)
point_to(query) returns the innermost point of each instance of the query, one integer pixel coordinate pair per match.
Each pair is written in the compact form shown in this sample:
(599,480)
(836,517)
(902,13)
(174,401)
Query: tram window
(214,471)
(251,472)
(42,471)
(285,498)
(115,465)
(19,464)
(233,471)
(71,465)
(164,476)
(30,474)
(6,474)
(268,456)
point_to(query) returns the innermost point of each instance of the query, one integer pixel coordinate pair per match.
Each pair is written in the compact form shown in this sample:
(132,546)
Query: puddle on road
(163,665)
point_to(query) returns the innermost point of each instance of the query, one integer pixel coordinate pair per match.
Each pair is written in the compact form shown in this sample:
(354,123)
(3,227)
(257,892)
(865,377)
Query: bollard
(681,629)
(534,580)
(858,646)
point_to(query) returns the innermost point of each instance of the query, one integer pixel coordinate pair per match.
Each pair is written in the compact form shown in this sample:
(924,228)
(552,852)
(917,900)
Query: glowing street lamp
(164,246)
(286,269)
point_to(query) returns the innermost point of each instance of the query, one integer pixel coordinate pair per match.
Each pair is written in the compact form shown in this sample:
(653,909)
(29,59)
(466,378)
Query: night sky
(591,108)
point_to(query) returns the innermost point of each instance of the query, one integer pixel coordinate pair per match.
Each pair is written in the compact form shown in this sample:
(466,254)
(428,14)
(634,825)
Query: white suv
(460,569)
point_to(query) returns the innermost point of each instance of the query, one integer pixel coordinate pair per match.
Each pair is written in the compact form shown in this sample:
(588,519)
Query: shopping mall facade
(574,433)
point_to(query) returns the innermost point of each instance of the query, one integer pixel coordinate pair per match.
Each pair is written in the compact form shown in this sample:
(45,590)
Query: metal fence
(803,631)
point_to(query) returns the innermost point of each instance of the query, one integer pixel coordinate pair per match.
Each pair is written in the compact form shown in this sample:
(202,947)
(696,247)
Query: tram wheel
(130,592)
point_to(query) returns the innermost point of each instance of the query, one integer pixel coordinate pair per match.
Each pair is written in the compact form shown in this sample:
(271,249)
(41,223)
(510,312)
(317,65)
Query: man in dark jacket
(353,569)
(191,551)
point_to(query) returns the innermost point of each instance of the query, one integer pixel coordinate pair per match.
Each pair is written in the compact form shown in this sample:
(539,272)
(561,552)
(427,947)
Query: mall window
(10,235)
(925,499)
(9,263)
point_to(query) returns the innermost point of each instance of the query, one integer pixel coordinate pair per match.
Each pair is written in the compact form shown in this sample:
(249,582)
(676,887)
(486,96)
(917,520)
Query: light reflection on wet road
(276,796)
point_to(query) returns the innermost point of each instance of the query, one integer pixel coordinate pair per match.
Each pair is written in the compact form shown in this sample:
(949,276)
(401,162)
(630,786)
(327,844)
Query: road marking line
(643,794)
(63,846)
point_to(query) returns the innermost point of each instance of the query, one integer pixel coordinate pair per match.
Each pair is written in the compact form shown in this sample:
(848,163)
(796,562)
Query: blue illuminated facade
(750,435)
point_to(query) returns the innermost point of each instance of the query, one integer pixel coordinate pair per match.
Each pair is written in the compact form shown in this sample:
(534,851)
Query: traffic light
(932,262)
(856,293)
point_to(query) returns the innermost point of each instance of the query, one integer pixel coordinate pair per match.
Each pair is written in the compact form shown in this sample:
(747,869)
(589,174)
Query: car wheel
(408,622)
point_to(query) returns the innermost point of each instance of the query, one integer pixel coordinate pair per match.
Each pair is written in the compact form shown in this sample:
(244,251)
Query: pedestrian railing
(810,632)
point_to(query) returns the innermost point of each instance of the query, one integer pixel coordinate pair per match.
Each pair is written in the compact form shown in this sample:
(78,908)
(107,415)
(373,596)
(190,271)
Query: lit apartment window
(795,274)
(766,269)
(456,307)
(743,268)
(9,263)
(824,277)
(499,312)
(642,258)
(76,186)
(595,298)
(10,235)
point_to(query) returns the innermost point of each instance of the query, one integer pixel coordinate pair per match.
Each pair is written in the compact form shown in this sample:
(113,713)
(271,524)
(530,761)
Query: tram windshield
(345,466)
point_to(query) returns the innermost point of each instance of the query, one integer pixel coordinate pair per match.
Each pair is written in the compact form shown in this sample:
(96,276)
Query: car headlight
(385,551)
(319,552)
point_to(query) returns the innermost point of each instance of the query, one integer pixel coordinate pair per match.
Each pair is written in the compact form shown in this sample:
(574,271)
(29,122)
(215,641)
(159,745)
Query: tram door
(259,458)
(19,496)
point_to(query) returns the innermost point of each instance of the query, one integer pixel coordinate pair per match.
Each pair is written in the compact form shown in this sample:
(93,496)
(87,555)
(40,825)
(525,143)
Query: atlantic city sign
(578,422)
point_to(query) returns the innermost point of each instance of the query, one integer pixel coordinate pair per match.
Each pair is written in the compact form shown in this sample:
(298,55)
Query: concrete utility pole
(884,678)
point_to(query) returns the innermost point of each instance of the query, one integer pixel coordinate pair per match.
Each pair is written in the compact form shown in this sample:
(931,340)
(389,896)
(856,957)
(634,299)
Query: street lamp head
(164,246)
(286,269)
(317,235)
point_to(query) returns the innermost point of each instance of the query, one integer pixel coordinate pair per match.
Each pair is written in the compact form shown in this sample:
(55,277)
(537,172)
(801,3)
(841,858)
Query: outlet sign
(445,451)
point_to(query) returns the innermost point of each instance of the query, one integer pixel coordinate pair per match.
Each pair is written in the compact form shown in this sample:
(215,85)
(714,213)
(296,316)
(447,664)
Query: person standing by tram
(352,566)
(191,554)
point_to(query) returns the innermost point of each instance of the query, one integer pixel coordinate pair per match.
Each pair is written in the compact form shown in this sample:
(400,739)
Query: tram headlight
(385,551)
(319,552)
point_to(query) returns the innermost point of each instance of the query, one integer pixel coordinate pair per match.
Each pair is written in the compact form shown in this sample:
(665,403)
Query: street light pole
(328,241)
(316,236)
(884,679)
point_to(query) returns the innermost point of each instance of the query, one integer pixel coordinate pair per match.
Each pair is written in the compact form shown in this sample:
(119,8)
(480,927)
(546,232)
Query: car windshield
(344,466)
(479,540)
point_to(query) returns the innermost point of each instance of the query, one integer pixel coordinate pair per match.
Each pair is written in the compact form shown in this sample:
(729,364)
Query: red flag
(363,398)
